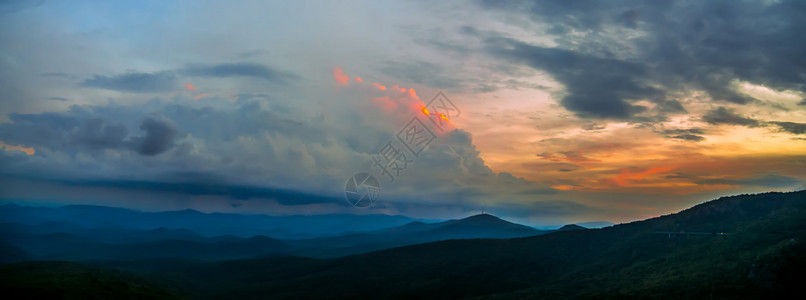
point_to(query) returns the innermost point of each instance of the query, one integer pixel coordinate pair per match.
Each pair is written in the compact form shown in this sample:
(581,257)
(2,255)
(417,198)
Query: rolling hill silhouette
(762,253)
(473,227)
(69,240)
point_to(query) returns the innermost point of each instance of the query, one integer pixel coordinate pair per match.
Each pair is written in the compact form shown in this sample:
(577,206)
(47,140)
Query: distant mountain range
(85,233)
(474,227)
(748,246)
(213,224)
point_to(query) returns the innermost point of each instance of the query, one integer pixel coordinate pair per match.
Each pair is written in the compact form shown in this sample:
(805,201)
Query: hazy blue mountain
(473,227)
(762,253)
(63,240)
(571,227)
(9,254)
(598,224)
(209,225)
(64,246)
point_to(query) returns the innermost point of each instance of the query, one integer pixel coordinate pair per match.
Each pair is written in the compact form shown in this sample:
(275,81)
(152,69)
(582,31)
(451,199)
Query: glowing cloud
(27,151)
(190,86)
(197,97)
(626,177)
(382,88)
(358,79)
(340,77)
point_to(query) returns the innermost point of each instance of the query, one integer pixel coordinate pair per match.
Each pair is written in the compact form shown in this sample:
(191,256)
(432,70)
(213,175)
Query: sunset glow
(591,114)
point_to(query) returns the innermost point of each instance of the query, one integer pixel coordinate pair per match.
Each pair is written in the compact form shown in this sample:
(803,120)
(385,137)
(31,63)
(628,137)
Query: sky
(562,111)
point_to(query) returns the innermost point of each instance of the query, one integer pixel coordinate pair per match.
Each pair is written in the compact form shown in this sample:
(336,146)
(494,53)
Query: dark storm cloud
(99,134)
(82,129)
(594,126)
(723,115)
(688,137)
(691,134)
(791,127)
(205,188)
(159,137)
(567,167)
(596,87)
(163,81)
(237,70)
(135,82)
(802,102)
(684,131)
(702,45)
(51,130)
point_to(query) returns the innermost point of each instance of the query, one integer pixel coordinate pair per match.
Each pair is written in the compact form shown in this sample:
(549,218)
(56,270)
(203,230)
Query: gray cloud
(421,72)
(689,137)
(59,75)
(159,137)
(771,180)
(802,102)
(135,82)
(58,99)
(237,70)
(99,134)
(791,127)
(723,115)
(81,129)
(594,126)
(676,45)
(691,134)
(567,167)
(163,81)
(592,92)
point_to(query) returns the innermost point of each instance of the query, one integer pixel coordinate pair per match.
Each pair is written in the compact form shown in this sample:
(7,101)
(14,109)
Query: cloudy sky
(567,111)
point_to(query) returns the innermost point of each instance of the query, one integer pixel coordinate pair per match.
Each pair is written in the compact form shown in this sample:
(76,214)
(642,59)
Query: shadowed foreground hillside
(64,280)
(753,246)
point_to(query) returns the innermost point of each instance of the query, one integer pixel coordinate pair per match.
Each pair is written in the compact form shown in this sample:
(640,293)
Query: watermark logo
(395,156)
(442,110)
(362,190)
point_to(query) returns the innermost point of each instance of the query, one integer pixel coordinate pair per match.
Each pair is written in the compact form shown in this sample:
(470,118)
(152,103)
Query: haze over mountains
(754,246)
(85,233)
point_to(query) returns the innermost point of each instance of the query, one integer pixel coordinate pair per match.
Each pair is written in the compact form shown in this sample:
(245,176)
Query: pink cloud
(340,77)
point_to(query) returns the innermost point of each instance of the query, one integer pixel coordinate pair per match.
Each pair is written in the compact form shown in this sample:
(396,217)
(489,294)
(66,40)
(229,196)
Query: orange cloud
(627,177)
(358,79)
(340,77)
(27,151)
(197,97)
(190,86)
(567,156)
(564,187)
(382,88)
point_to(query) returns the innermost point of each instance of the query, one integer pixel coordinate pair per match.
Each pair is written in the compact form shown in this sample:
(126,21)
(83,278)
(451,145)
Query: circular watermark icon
(362,190)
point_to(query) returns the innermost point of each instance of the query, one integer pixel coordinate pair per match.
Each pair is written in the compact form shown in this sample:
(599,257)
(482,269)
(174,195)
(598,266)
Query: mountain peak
(484,216)
(571,227)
